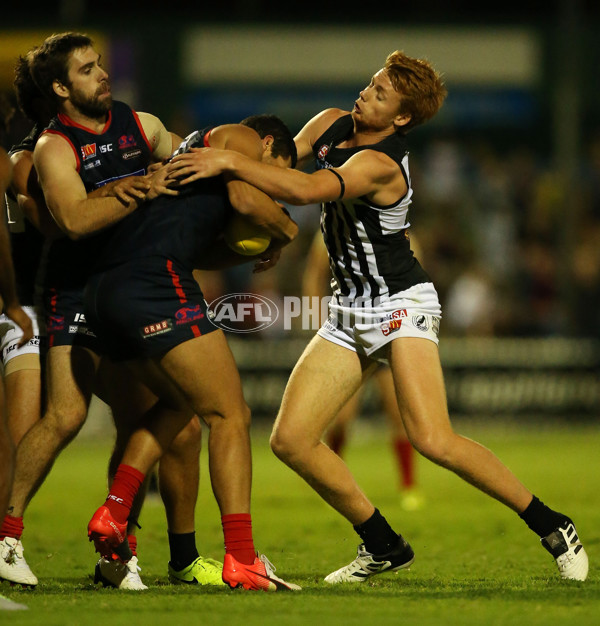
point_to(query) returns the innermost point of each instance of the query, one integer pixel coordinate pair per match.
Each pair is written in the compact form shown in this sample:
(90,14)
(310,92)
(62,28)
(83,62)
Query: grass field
(476,562)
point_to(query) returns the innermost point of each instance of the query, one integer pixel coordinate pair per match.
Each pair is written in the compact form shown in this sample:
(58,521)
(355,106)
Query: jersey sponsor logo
(131,154)
(158,328)
(106,147)
(188,314)
(127,141)
(91,164)
(243,312)
(88,151)
(323,150)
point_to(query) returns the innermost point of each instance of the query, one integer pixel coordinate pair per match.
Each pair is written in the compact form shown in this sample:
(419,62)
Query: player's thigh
(420,389)
(70,373)
(385,386)
(121,388)
(23,400)
(326,376)
(205,371)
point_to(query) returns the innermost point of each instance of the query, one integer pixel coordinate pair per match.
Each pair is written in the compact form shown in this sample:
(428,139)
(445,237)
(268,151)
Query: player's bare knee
(238,417)
(285,445)
(65,423)
(190,438)
(434,447)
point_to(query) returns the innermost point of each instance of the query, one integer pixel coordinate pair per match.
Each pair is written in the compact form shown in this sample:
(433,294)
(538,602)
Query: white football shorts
(10,335)
(367,327)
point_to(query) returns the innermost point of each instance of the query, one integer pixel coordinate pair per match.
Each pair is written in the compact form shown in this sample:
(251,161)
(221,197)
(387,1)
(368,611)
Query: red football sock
(405,455)
(11,527)
(124,487)
(132,540)
(237,531)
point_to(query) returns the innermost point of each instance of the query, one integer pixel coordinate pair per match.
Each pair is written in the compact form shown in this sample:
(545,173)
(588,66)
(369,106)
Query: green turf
(476,561)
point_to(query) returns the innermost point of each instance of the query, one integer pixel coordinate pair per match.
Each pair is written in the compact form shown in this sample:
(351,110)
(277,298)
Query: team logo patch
(159,328)
(127,141)
(88,151)
(55,322)
(420,322)
(188,314)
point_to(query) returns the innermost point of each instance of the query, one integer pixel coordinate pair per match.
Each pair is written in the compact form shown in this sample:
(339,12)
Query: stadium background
(506,178)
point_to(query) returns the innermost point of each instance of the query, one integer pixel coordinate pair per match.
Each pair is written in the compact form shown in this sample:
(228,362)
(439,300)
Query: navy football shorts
(145,307)
(66,324)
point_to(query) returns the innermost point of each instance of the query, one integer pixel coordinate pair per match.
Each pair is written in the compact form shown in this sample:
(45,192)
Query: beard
(92,106)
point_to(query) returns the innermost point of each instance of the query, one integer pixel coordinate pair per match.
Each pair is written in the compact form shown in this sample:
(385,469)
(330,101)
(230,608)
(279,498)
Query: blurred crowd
(512,247)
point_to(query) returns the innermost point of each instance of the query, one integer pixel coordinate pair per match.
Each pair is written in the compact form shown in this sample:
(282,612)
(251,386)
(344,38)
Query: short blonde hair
(420,86)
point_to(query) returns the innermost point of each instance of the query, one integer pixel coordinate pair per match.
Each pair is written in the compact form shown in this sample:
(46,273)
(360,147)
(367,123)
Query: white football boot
(13,566)
(564,545)
(115,573)
(367,564)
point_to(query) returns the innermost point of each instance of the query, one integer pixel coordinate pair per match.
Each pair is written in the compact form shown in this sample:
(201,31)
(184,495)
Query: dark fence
(512,377)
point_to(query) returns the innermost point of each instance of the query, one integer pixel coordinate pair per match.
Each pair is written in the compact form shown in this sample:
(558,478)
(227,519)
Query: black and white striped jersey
(368,245)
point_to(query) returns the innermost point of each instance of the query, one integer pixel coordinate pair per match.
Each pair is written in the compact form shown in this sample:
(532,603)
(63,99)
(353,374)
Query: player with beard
(86,200)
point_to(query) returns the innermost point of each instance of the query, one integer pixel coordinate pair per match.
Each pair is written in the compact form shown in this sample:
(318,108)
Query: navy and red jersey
(121,149)
(178,227)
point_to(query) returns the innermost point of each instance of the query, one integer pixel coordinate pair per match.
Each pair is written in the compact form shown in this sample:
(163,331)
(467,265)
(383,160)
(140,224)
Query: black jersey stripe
(353,284)
(358,265)
(327,214)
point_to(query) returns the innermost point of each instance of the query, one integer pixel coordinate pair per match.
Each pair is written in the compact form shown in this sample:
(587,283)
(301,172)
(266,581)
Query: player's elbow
(71,230)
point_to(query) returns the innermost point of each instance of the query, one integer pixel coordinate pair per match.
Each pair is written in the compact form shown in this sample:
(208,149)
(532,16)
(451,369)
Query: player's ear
(60,89)
(267,144)
(402,120)
(268,141)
